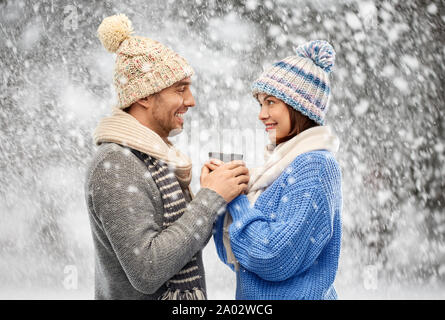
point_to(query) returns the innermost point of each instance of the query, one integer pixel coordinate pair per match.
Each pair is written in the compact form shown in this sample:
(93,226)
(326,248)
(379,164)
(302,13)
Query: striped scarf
(187,284)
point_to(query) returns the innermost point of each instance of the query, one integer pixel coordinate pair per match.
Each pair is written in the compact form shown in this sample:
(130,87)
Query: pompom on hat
(302,80)
(143,66)
(113,30)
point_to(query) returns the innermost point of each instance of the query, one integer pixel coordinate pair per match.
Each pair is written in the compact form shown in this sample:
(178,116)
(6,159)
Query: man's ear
(145,102)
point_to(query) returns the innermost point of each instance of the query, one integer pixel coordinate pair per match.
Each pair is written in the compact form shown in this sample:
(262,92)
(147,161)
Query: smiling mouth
(180,116)
(270,126)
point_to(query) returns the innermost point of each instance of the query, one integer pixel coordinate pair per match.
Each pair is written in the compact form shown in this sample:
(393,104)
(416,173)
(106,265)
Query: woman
(283,238)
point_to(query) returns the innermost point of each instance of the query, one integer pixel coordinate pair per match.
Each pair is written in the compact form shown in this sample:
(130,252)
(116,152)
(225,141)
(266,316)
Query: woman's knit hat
(143,66)
(301,81)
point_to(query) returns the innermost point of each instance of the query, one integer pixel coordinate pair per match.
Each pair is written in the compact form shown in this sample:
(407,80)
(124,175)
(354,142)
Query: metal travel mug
(225,157)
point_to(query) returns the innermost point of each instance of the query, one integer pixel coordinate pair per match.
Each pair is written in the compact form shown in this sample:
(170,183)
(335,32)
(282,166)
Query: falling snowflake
(132,189)
(315,206)
(123,80)
(361,108)
(174,196)
(432,9)
(146,67)
(221,210)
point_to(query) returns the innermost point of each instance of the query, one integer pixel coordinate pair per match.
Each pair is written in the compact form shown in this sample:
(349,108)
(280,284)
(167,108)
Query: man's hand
(227,179)
(213,164)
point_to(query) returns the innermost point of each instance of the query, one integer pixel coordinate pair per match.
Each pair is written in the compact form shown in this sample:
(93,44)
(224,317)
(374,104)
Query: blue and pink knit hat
(301,81)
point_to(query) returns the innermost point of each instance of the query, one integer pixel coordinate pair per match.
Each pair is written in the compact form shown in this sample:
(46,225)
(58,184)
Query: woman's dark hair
(298,123)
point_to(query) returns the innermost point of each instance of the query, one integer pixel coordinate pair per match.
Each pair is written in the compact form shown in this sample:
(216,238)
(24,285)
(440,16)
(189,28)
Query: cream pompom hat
(143,66)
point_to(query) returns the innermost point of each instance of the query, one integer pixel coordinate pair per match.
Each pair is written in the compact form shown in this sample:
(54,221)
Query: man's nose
(189,100)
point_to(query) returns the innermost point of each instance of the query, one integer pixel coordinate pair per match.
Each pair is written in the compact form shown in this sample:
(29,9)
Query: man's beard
(165,125)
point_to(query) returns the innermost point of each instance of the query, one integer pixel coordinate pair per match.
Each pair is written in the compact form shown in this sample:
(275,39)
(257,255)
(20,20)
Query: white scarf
(124,129)
(277,159)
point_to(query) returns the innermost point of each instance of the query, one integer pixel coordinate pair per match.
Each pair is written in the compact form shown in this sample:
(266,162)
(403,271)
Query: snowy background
(387,108)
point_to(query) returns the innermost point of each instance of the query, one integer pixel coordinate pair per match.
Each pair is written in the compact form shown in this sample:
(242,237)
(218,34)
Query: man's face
(169,107)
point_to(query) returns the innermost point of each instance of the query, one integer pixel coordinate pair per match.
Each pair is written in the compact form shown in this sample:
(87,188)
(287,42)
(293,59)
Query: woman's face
(275,116)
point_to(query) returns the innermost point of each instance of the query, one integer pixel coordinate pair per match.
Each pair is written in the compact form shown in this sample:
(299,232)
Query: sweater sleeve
(278,246)
(149,255)
(218,238)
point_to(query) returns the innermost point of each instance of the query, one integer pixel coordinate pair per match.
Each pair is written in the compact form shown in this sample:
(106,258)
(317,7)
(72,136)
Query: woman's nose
(263,113)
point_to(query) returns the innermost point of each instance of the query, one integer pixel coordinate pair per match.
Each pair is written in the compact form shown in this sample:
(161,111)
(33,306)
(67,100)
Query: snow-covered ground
(221,286)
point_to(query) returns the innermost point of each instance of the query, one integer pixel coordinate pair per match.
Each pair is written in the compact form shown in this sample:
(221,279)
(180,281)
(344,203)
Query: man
(148,232)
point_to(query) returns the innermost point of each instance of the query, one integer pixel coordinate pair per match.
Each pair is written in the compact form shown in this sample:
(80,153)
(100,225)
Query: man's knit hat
(301,81)
(143,66)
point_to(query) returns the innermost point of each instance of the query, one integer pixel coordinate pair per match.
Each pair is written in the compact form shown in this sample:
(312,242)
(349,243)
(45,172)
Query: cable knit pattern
(288,243)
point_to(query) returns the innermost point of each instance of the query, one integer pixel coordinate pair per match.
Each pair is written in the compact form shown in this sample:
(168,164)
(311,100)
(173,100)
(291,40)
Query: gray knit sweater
(134,257)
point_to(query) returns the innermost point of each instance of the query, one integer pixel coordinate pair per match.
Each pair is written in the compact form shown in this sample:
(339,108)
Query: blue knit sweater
(288,243)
